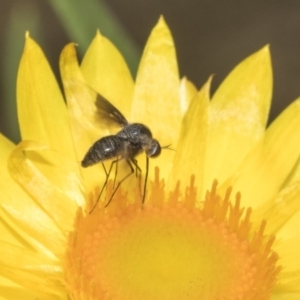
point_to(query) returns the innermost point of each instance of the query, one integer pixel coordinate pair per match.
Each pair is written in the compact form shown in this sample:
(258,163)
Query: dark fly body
(130,141)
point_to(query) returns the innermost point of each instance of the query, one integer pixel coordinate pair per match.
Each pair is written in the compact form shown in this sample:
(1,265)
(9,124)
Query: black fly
(131,140)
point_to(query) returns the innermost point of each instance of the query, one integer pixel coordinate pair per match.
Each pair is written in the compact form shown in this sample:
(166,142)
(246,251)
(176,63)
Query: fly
(126,144)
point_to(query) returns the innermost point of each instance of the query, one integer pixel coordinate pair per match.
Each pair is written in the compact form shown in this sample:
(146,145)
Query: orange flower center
(170,250)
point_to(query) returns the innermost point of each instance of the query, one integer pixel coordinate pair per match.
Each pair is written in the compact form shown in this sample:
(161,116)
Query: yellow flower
(240,240)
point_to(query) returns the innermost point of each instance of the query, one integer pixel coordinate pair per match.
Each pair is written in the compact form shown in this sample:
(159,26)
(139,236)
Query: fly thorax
(136,133)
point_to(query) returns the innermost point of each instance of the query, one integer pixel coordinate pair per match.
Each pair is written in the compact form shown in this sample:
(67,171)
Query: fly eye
(154,149)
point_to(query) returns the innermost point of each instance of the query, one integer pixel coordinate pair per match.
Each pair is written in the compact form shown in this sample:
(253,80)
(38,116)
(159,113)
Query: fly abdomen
(106,148)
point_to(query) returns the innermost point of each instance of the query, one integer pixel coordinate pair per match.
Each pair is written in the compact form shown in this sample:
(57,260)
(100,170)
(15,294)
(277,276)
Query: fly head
(153,148)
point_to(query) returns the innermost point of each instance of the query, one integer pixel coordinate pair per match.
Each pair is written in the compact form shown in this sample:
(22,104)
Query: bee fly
(131,140)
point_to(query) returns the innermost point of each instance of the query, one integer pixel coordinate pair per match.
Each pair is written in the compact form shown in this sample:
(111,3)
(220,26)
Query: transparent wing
(109,113)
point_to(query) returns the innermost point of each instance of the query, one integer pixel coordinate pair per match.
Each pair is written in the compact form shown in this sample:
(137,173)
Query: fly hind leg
(107,174)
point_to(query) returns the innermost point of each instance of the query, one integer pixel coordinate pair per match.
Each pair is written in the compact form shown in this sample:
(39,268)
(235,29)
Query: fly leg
(116,173)
(138,170)
(146,180)
(107,174)
(124,178)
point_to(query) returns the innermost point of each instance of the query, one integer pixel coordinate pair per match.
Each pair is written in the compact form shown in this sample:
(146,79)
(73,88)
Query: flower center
(170,250)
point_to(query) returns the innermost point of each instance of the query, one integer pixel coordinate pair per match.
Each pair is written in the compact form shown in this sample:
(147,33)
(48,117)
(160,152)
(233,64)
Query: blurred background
(211,37)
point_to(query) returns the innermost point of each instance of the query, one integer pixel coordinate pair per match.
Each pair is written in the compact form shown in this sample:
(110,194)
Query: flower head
(221,212)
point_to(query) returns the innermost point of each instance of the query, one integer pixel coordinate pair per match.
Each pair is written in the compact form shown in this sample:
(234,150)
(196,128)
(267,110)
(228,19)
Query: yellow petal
(281,294)
(42,112)
(55,198)
(281,209)
(7,232)
(238,115)
(33,278)
(266,168)
(82,114)
(190,151)
(156,96)
(41,108)
(295,174)
(289,231)
(289,277)
(288,203)
(10,290)
(105,70)
(186,93)
(26,259)
(24,222)
(289,250)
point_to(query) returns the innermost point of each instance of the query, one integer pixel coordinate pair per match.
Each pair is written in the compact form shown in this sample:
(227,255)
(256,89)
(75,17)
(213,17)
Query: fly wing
(107,112)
